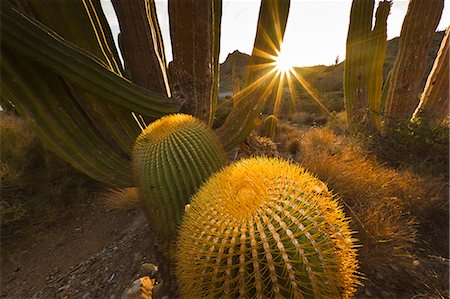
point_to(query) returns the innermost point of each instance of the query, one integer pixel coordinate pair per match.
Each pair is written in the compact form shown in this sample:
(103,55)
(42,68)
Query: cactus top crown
(264,227)
(167,125)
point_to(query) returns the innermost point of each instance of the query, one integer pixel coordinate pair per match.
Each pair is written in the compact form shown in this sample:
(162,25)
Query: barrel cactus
(265,228)
(270,125)
(172,157)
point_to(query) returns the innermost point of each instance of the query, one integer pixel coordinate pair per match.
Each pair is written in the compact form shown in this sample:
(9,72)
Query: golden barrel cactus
(172,157)
(265,228)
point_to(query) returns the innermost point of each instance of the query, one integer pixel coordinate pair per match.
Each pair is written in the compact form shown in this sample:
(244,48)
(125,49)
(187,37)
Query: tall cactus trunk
(434,102)
(417,33)
(141,44)
(249,102)
(365,52)
(379,44)
(194,68)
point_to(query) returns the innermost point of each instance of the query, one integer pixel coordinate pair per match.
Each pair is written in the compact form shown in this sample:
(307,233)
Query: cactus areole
(172,157)
(265,228)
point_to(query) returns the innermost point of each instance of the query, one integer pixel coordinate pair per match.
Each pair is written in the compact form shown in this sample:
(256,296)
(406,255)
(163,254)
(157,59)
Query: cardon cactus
(172,157)
(265,228)
(270,125)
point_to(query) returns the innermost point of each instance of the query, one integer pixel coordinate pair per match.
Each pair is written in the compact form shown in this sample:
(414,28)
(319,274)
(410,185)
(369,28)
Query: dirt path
(94,252)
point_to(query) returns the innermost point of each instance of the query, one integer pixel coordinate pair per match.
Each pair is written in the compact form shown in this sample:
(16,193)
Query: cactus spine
(265,228)
(270,125)
(172,157)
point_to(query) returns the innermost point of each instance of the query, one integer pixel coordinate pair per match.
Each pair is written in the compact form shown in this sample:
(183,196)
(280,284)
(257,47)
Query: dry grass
(36,186)
(397,214)
(122,199)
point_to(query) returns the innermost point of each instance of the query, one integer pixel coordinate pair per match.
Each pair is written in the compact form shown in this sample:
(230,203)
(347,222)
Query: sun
(283,63)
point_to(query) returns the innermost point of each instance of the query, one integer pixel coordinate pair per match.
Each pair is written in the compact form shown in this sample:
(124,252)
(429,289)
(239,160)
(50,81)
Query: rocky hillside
(328,79)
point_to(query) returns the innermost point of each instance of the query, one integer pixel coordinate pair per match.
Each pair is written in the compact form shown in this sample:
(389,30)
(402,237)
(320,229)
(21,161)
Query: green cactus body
(172,157)
(270,125)
(265,228)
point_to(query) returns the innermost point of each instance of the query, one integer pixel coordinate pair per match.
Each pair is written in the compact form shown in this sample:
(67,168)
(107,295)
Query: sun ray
(279,94)
(292,91)
(315,94)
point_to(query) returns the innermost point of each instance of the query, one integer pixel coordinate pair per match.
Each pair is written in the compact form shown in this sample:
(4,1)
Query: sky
(315,34)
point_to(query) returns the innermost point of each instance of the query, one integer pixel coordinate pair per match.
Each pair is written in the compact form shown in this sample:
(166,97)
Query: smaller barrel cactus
(265,228)
(172,157)
(270,125)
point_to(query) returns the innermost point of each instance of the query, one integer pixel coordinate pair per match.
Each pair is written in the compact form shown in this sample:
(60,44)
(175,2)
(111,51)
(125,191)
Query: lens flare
(283,62)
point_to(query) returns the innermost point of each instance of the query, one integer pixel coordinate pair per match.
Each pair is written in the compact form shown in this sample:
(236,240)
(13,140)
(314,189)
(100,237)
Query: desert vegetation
(140,178)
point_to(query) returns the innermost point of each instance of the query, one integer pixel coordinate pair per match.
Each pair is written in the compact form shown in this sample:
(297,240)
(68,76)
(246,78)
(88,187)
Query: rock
(86,296)
(148,269)
(379,276)
(394,267)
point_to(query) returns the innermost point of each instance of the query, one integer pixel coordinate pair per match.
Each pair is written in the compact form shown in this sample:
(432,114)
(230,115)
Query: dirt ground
(94,252)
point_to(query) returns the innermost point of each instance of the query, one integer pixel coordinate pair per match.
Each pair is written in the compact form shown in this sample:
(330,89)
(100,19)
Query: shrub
(388,207)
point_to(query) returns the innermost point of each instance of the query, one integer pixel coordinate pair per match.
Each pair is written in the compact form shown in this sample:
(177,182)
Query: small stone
(148,269)
(416,263)
(367,292)
(86,296)
(395,268)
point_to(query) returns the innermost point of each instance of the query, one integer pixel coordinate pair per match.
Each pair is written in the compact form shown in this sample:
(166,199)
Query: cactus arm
(194,43)
(378,48)
(42,97)
(249,102)
(141,44)
(83,23)
(434,102)
(416,35)
(42,45)
(356,62)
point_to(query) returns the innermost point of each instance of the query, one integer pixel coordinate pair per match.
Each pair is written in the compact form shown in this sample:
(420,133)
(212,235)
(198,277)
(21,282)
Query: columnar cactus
(265,228)
(363,67)
(270,125)
(172,157)
(434,101)
(418,30)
